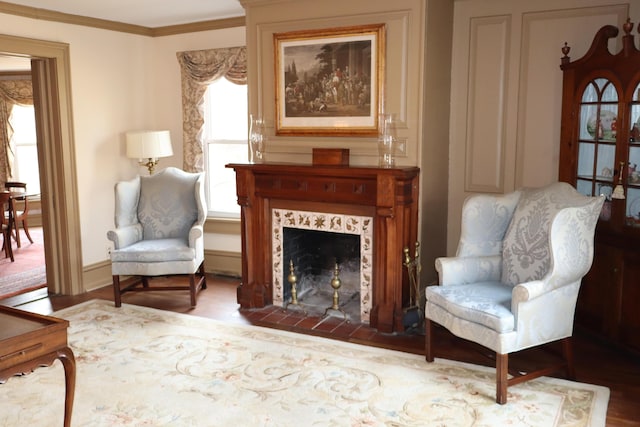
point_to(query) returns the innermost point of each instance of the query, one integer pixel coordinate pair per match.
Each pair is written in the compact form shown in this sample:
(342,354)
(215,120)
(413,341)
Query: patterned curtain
(198,69)
(12,92)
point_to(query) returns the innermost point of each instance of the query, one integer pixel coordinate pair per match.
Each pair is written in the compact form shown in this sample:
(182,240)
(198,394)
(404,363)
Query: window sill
(222,225)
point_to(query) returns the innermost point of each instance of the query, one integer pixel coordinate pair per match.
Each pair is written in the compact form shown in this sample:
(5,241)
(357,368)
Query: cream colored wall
(167,110)
(120,82)
(506,90)
(109,91)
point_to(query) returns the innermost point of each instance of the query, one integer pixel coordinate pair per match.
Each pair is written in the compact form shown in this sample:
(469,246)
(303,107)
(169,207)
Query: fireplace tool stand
(413,314)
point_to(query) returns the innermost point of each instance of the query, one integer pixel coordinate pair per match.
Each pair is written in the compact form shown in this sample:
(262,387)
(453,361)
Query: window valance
(198,69)
(12,91)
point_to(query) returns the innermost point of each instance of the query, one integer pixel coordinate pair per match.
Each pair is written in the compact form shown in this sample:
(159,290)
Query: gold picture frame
(329,81)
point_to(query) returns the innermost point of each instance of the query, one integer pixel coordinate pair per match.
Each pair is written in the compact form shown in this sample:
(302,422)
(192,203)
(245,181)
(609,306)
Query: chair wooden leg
(16,234)
(6,245)
(204,276)
(26,230)
(502,369)
(567,354)
(428,332)
(192,289)
(116,291)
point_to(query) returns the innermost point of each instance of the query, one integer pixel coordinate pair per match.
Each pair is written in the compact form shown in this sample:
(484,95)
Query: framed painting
(329,82)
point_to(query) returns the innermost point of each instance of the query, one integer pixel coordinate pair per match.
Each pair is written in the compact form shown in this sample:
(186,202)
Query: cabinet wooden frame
(607,304)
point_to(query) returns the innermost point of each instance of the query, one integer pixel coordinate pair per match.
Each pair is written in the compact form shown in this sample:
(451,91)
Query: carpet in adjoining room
(143,366)
(28,271)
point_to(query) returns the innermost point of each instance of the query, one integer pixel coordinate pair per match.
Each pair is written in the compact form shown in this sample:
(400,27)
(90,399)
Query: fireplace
(318,242)
(381,201)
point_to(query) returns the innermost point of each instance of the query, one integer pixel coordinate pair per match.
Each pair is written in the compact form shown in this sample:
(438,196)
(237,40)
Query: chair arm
(462,270)
(527,291)
(195,233)
(125,236)
(547,305)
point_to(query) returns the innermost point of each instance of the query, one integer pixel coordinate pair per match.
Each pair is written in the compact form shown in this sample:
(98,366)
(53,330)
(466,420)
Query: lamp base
(150,164)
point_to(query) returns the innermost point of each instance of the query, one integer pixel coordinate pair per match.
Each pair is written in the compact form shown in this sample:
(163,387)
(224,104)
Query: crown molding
(67,18)
(193,27)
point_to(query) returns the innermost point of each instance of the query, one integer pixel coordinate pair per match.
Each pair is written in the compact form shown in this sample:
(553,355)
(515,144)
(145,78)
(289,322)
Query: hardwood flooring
(596,362)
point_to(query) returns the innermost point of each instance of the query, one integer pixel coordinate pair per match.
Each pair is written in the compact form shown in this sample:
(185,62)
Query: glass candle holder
(387,141)
(257,139)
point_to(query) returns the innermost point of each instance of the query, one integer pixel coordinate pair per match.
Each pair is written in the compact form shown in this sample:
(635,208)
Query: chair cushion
(167,206)
(526,252)
(485,303)
(485,219)
(526,255)
(156,250)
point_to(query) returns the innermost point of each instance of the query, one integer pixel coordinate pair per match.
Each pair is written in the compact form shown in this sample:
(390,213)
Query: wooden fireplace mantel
(389,195)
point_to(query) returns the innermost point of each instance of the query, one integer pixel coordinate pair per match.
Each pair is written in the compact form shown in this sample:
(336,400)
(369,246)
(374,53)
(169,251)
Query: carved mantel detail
(388,195)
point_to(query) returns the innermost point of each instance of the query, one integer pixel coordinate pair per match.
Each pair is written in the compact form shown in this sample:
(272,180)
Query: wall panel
(485,137)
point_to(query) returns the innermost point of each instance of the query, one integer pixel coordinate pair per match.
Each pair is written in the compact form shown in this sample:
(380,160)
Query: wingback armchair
(514,281)
(159,223)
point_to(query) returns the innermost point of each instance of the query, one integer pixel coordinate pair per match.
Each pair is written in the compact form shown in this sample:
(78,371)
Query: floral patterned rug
(138,366)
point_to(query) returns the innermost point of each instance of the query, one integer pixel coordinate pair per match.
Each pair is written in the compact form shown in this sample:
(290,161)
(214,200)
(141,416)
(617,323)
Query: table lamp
(150,145)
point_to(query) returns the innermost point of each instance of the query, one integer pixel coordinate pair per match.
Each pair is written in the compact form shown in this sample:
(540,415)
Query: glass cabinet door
(632,216)
(597,140)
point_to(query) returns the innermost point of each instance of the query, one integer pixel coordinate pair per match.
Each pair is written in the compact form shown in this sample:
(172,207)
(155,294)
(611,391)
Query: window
(23,144)
(225,141)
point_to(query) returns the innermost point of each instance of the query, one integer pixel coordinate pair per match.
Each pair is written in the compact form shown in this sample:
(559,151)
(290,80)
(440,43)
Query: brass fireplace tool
(335,284)
(413,269)
(413,315)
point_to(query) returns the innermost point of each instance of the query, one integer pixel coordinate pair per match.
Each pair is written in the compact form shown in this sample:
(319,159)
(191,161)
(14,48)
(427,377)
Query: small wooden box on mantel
(331,157)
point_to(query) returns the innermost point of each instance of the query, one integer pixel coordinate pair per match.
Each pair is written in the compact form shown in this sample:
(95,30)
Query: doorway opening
(50,69)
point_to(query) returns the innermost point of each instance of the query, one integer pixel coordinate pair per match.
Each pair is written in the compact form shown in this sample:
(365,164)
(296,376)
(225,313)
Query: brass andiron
(293,281)
(335,284)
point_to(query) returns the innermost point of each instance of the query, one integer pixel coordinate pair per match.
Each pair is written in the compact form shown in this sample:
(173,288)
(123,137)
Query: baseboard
(96,275)
(225,263)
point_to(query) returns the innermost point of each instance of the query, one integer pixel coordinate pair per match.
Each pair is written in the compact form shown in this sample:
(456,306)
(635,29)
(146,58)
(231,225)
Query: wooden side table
(28,341)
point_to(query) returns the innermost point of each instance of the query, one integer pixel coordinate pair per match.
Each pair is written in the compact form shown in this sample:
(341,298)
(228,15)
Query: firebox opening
(315,255)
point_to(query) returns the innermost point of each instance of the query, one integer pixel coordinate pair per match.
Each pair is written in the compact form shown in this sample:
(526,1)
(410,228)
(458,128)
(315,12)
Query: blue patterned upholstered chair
(159,232)
(514,281)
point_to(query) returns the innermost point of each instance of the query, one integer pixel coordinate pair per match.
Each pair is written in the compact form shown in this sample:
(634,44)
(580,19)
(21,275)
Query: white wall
(120,82)
(506,90)
(168,100)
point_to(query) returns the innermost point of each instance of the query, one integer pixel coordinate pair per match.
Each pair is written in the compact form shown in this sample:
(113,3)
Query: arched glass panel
(598,135)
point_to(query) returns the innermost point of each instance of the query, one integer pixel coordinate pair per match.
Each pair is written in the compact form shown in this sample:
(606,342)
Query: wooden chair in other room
(20,209)
(4,226)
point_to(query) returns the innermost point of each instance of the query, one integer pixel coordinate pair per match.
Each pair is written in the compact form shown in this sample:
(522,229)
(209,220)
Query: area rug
(24,281)
(138,366)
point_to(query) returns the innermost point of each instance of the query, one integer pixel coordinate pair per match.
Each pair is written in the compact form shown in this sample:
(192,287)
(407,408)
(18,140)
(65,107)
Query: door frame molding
(50,69)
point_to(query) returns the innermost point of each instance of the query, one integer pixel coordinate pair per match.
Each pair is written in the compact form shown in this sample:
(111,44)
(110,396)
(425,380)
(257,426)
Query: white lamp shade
(149,144)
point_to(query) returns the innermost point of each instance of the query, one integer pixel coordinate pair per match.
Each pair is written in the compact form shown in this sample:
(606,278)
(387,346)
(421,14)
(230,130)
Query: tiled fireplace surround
(327,223)
(378,204)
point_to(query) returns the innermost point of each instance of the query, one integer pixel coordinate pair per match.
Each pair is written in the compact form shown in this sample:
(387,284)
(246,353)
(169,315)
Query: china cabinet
(600,154)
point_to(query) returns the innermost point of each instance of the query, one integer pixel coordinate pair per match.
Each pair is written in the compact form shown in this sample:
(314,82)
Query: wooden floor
(596,362)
